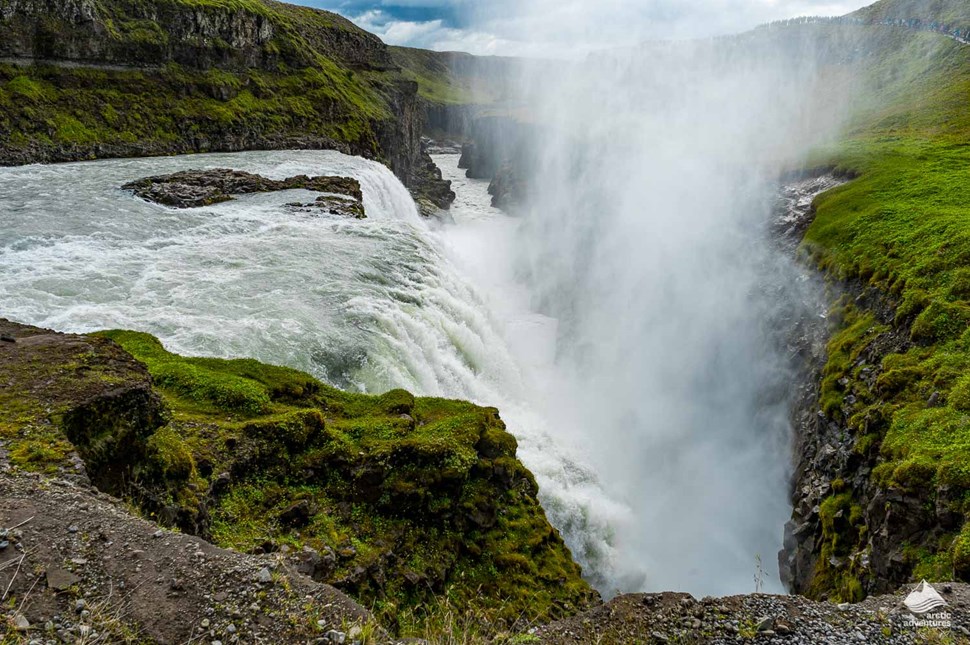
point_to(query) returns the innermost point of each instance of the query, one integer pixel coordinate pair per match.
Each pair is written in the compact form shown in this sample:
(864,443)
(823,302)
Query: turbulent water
(652,408)
(389,301)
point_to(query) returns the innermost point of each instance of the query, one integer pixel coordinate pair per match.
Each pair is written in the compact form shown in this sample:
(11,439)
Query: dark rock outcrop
(198,35)
(194,188)
(432,193)
(501,149)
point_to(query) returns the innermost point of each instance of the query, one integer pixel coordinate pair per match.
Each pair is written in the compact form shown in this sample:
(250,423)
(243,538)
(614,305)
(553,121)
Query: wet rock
(332,205)
(195,188)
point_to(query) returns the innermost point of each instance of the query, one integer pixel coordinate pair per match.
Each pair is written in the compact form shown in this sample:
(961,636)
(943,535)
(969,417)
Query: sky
(564,28)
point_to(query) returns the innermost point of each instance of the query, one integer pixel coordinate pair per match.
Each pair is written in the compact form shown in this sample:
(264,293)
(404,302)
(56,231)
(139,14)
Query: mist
(645,236)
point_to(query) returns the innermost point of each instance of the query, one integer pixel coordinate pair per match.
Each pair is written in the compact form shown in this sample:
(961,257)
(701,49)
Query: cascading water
(368,304)
(645,235)
(630,327)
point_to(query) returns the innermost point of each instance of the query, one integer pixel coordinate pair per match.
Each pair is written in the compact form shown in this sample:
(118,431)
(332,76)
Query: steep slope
(412,506)
(882,481)
(951,12)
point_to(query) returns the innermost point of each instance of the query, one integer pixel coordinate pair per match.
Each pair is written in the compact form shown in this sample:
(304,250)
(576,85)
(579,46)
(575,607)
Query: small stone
(205,623)
(355,632)
(216,643)
(657,636)
(231,629)
(158,534)
(60,579)
(335,637)
(20,623)
(7,339)
(80,605)
(843,606)
(73,528)
(766,623)
(264,575)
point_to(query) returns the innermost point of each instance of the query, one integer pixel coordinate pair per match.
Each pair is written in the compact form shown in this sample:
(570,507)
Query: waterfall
(374,304)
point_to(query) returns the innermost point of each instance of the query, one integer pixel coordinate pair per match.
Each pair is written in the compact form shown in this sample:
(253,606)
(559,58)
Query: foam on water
(373,304)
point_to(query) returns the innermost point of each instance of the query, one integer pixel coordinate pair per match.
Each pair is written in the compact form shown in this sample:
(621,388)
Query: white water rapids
(439,309)
(389,301)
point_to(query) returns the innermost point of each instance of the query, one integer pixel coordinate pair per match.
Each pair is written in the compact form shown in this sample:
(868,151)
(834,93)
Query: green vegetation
(417,507)
(45,109)
(843,528)
(954,12)
(438,83)
(903,228)
(420,502)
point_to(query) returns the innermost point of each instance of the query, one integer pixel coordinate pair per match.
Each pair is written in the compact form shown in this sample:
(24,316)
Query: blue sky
(564,28)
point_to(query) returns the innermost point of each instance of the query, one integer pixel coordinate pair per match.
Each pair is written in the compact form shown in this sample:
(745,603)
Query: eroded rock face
(389,498)
(194,188)
(200,36)
(67,395)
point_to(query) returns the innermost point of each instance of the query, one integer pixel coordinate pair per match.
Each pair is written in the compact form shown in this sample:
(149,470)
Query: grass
(438,83)
(901,227)
(416,498)
(177,109)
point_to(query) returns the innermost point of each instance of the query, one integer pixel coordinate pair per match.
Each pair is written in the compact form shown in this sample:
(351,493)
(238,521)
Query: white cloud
(573,28)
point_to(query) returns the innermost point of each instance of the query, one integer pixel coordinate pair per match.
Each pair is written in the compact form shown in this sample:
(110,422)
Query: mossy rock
(405,488)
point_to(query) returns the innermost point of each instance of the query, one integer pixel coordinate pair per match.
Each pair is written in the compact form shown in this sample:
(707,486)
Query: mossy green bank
(408,504)
(896,376)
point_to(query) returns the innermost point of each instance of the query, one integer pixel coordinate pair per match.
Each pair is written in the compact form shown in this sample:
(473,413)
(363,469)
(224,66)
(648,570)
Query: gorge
(709,339)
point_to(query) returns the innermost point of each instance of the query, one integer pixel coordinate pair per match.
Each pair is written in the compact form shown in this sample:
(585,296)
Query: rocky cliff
(82,79)
(880,491)
(415,507)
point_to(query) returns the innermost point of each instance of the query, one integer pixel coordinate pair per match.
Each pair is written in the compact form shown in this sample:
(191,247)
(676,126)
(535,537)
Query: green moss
(425,495)
(902,227)
(169,456)
(843,533)
(960,554)
(42,455)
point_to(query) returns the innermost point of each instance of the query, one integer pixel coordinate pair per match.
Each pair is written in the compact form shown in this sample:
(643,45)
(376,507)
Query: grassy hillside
(953,12)
(902,228)
(417,507)
(456,78)
(134,78)
(52,111)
